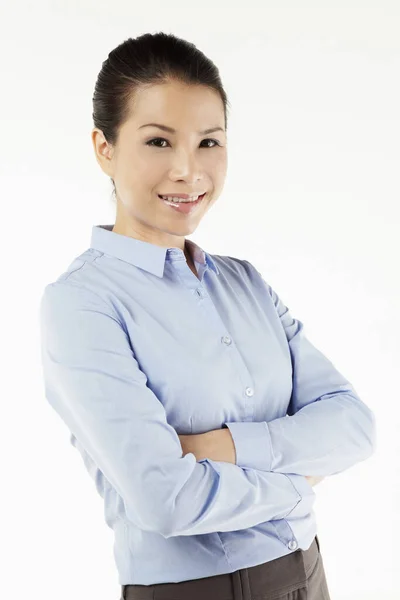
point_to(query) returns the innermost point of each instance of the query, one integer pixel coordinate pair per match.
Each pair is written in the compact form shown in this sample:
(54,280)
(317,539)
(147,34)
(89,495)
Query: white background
(311,199)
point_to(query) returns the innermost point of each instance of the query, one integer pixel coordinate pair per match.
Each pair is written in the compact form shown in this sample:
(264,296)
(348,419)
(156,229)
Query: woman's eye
(150,142)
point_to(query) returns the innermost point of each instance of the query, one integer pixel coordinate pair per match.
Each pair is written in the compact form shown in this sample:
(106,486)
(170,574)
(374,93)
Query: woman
(203,414)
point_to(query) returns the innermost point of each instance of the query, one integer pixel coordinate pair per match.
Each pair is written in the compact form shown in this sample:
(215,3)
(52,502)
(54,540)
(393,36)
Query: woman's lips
(184,207)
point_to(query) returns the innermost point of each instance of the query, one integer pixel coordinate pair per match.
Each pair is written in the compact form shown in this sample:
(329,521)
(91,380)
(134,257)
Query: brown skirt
(299,575)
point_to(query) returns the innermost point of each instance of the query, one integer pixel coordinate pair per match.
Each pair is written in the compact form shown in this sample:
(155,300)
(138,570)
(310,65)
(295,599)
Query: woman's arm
(218,445)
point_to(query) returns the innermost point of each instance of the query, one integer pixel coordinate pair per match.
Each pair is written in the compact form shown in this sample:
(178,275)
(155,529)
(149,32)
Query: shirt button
(292,544)
(200,292)
(227,340)
(249,391)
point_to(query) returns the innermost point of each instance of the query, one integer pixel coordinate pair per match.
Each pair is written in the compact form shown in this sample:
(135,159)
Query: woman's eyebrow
(171,130)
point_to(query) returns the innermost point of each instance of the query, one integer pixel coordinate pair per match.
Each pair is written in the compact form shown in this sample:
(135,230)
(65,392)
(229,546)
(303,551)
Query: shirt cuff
(252,443)
(306,493)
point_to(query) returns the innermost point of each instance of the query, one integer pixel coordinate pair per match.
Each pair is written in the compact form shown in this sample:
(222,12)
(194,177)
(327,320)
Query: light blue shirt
(136,350)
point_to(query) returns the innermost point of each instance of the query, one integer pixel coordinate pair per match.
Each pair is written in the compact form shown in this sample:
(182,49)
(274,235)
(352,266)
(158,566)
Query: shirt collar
(144,255)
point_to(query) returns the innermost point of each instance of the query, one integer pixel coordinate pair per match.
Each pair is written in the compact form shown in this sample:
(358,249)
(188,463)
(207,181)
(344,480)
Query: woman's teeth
(175,199)
(185,206)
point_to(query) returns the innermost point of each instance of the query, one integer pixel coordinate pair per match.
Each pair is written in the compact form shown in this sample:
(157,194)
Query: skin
(218,445)
(184,162)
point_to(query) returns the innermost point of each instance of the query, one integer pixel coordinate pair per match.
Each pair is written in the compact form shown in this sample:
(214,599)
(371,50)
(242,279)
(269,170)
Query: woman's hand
(313,479)
(216,444)
(191,444)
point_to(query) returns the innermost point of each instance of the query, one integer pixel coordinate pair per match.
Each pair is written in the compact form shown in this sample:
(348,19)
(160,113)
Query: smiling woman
(160,90)
(174,368)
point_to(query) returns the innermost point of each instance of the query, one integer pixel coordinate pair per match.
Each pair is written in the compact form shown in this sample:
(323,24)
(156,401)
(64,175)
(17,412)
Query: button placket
(216,319)
(200,292)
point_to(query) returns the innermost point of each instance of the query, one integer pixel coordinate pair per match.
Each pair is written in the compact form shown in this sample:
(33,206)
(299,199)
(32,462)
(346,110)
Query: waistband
(284,574)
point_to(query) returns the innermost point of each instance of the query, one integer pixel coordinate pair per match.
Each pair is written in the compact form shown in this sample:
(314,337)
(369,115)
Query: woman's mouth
(185,206)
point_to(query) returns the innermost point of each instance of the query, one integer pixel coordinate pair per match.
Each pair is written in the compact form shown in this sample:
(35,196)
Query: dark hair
(145,60)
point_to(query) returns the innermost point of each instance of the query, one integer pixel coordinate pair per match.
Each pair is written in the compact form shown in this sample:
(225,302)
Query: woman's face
(186,161)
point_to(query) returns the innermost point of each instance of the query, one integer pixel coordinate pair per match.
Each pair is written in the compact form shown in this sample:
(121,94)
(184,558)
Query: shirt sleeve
(93,381)
(327,428)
